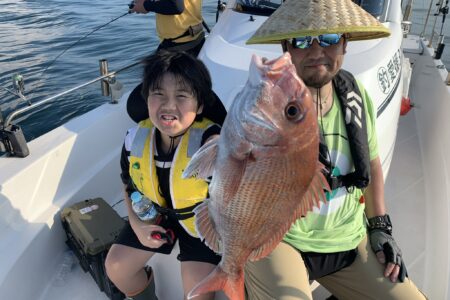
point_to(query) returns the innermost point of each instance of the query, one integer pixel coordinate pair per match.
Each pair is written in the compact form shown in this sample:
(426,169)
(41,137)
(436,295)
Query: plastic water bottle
(68,262)
(143,207)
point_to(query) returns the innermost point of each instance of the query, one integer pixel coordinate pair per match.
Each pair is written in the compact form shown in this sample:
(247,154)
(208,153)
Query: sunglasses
(324,40)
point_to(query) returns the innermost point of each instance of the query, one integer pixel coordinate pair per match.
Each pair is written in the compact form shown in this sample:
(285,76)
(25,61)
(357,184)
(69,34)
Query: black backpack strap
(352,104)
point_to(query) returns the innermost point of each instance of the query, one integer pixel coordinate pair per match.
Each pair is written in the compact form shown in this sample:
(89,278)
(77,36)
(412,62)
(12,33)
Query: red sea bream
(265,172)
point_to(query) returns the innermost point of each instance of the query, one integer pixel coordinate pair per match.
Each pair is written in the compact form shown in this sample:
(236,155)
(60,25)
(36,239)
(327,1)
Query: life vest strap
(348,181)
(191,31)
(179,213)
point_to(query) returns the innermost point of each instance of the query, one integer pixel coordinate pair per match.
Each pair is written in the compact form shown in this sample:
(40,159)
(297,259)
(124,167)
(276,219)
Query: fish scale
(265,172)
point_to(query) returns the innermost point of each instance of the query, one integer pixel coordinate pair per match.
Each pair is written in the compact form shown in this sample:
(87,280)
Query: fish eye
(294,112)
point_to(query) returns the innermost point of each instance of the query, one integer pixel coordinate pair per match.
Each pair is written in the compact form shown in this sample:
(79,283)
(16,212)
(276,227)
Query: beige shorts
(282,276)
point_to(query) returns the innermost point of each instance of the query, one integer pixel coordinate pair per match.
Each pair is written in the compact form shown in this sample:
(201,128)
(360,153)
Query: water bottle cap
(136,196)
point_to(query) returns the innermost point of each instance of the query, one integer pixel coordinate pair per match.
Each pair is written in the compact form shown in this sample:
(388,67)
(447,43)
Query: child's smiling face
(172,106)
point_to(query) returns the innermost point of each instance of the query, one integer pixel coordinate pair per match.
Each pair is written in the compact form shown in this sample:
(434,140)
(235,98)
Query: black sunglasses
(324,40)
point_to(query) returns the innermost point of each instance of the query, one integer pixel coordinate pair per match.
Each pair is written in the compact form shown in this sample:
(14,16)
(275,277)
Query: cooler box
(91,227)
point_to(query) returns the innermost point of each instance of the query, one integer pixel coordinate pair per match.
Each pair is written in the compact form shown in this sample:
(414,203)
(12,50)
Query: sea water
(34,32)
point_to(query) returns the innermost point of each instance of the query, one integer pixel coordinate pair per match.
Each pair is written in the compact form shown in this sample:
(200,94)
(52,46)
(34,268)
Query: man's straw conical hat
(295,18)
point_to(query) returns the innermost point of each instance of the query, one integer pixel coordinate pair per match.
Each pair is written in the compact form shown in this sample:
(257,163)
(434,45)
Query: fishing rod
(19,87)
(444,11)
(220,8)
(18,82)
(80,39)
(12,139)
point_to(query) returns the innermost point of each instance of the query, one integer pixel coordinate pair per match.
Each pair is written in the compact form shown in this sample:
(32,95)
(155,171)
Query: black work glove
(380,240)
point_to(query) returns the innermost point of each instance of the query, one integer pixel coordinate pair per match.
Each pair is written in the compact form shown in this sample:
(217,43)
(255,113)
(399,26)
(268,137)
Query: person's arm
(166,7)
(374,194)
(140,228)
(383,244)
(379,228)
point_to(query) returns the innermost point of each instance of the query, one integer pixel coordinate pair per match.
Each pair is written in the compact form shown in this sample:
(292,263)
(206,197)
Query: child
(177,87)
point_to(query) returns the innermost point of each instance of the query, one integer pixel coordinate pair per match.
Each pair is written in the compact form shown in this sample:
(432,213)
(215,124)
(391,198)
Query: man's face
(317,65)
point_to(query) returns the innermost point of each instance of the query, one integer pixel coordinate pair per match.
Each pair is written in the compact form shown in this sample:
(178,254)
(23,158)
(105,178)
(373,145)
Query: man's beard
(317,81)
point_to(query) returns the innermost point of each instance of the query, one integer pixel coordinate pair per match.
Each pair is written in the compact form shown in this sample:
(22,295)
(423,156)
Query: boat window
(374,7)
(267,7)
(257,7)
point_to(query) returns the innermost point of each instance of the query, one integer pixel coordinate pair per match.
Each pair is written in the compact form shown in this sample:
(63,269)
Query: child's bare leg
(125,267)
(192,272)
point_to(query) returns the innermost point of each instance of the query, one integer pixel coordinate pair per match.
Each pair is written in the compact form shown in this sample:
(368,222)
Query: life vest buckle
(195,29)
(334,182)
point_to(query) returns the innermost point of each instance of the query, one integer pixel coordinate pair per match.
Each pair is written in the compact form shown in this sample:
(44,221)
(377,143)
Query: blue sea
(34,32)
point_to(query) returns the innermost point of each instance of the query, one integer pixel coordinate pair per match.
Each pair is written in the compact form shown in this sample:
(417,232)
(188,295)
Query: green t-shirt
(338,225)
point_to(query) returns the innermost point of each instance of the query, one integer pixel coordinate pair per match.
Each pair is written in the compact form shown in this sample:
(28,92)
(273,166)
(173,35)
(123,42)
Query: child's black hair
(186,68)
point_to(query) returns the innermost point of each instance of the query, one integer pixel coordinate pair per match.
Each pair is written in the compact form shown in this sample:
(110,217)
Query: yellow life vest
(184,192)
(172,26)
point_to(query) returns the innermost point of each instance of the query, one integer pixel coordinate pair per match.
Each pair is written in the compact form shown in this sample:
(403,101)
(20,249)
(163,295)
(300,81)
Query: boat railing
(12,140)
(442,10)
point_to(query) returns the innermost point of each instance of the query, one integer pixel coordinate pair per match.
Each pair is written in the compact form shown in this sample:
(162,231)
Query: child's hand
(144,234)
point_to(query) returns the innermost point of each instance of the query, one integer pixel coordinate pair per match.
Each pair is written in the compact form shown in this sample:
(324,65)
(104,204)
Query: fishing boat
(80,159)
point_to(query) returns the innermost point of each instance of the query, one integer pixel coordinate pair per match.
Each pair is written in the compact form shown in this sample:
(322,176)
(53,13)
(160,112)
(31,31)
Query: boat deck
(405,194)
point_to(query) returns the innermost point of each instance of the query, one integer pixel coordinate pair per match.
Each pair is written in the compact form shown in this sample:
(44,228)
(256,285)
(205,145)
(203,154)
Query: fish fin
(265,249)
(233,286)
(268,247)
(315,193)
(202,162)
(206,228)
(232,182)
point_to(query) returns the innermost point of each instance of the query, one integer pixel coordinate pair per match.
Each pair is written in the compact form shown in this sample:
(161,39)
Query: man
(178,23)
(332,244)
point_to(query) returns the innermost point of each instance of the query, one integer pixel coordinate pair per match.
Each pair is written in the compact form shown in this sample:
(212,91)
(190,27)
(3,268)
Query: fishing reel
(442,9)
(12,140)
(19,84)
(220,8)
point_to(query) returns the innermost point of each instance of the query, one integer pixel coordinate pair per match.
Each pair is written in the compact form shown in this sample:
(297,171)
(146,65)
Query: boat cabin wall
(394,11)
(382,76)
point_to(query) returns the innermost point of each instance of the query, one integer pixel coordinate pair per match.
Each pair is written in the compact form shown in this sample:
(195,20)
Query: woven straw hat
(296,18)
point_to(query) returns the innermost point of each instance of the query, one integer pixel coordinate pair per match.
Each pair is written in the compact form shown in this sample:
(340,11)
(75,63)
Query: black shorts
(191,249)
(322,264)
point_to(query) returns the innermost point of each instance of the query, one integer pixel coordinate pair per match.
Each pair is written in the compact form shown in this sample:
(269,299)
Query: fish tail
(219,280)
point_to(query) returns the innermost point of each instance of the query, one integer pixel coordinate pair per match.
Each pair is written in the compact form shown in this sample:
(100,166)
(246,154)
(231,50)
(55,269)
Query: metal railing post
(103,64)
(15,113)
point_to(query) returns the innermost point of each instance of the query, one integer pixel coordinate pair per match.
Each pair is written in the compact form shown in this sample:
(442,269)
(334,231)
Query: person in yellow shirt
(179,23)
